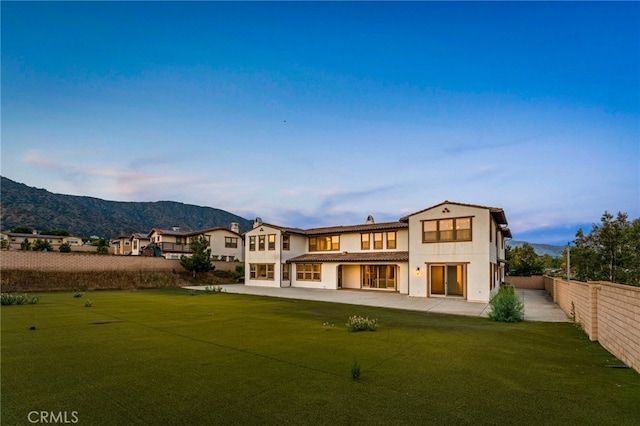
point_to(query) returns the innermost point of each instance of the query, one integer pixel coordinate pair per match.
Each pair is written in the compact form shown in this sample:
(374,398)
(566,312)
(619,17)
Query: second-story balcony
(175,247)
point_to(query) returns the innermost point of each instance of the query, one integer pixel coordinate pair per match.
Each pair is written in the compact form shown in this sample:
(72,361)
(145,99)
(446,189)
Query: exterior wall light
(418,270)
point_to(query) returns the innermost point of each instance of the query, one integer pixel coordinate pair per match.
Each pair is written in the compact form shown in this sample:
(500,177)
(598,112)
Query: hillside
(540,249)
(40,209)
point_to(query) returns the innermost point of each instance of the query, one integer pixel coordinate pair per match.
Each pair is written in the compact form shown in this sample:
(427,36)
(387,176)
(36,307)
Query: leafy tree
(25,245)
(41,245)
(523,260)
(102,246)
(22,230)
(4,244)
(610,252)
(65,248)
(200,259)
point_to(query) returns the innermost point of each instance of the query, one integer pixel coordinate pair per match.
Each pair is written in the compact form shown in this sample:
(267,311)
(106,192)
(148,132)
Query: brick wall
(535,282)
(608,313)
(77,262)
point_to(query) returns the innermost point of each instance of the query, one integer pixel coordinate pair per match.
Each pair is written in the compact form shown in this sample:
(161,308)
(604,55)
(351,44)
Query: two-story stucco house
(448,250)
(226,243)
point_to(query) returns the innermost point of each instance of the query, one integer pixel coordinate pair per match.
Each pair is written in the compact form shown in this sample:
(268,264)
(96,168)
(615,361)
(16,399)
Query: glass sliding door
(447,280)
(379,276)
(437,279)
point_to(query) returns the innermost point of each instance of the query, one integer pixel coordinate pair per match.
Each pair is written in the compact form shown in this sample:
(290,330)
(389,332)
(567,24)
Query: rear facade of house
(449,250)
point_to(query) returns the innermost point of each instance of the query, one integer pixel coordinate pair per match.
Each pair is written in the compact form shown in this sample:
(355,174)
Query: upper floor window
(446,230)
(377,240)
(231,242)
(272,241)
(286,243)
(252,243)
(261,240)
(324,243)
(391,239)
(365,242)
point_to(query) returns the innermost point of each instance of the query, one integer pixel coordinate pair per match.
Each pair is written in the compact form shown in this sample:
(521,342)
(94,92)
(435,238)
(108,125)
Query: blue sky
(314,114)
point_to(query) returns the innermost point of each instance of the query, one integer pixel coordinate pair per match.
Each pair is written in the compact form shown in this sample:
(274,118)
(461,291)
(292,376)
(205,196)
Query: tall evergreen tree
(200,259)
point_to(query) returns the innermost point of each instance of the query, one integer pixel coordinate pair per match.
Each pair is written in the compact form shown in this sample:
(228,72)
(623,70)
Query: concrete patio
(538,305)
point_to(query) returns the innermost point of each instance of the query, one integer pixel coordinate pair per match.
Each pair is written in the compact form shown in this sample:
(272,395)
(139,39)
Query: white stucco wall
(475,254)
(217,243)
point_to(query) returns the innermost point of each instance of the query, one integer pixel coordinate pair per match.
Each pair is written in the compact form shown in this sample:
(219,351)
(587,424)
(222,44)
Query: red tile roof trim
(389,256)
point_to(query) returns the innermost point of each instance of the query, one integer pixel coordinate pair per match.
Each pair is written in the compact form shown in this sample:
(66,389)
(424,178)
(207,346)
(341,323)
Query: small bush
(18,299)
(210,290)
(506,306)
(355,369)
(78,294)
(327,326)
(358,323)
(88,304)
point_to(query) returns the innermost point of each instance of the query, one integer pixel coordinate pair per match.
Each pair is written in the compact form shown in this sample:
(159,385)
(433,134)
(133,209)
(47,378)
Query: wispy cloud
(119,182)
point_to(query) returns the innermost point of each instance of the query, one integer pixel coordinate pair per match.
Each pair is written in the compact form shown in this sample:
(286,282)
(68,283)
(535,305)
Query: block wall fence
(609,313)
(79,262)
(535,282)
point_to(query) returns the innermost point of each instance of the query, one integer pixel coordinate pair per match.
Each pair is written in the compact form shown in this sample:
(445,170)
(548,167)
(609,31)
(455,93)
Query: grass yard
(164,357)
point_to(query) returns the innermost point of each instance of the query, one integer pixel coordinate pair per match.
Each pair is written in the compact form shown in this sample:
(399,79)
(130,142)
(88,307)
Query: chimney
(175,228)
(369,220)
(257,222)
(235,227)
(34,232)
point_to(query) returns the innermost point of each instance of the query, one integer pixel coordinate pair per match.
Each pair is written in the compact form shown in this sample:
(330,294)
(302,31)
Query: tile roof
(497,213)
(357,228)
(381,256)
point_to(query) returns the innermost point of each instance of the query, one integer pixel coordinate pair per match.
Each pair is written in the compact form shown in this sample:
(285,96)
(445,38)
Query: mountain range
(539,249)
(42,210)
(39,209)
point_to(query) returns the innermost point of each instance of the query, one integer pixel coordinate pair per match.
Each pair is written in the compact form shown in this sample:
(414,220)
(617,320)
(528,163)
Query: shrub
(65,248)
(77,294)
(18,299)
(238,274)
(41,245)
(355,369)
(358,323)
(506,306)
(209,290)
(88,304)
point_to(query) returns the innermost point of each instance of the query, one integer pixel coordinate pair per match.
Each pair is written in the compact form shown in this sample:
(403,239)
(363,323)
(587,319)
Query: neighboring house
(172,243)
(138,241)
(448,250)
(121,245)
(14,239)
(226,244)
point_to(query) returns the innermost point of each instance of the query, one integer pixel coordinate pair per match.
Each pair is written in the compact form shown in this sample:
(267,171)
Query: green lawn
(165,357)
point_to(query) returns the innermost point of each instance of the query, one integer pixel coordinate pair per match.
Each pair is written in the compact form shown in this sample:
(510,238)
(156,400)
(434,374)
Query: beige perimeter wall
(535,282)
(608,313)
(76,262)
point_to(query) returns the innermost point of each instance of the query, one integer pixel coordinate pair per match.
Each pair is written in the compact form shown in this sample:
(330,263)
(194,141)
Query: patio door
(447,280)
